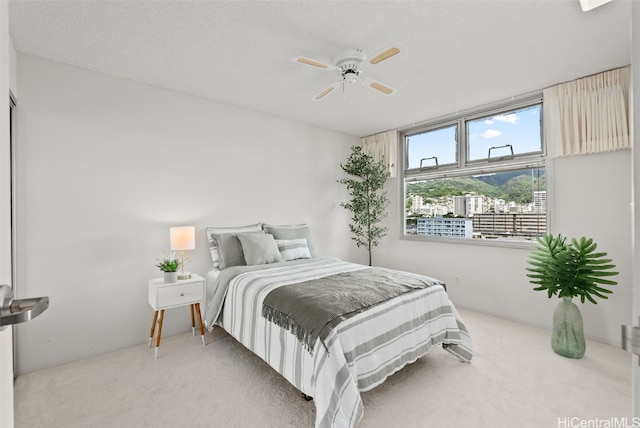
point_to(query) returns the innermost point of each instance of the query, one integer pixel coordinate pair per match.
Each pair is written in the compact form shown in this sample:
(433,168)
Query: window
(479,176)
(424,148)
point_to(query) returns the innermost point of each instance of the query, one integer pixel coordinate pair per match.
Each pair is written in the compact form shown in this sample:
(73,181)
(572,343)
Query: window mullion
(462,143)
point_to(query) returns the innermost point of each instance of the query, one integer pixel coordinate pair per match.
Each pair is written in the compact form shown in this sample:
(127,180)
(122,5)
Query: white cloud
(488,122)
(509,118)
(491,133)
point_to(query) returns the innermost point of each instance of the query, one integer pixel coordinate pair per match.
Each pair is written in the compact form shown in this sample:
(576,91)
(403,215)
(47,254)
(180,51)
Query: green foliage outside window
(514,186)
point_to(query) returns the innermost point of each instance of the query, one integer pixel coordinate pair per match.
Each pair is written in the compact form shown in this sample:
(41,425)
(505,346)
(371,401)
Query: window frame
(435,127)
(464,167)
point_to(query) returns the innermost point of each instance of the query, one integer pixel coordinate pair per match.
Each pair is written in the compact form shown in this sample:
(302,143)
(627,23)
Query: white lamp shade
(182,238)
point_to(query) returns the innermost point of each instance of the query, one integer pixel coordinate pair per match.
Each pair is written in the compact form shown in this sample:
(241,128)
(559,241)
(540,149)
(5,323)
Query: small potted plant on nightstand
(169,265)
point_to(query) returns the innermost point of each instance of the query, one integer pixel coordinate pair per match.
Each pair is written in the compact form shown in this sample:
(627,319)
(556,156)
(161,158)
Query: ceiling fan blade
(324,93)
(382,88)
(385,54)
(312,62)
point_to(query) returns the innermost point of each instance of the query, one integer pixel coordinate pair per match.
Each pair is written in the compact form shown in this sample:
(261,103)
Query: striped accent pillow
(292,249)
(213,246)
(291,231)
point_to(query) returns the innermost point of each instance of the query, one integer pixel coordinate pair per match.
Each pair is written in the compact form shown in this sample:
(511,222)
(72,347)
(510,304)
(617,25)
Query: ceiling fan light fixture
(351,76)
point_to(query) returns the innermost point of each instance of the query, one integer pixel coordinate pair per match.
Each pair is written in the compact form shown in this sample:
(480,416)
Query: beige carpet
(515,380)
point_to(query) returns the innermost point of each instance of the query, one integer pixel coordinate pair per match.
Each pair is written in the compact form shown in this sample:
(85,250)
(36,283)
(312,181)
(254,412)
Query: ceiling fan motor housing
(350,64)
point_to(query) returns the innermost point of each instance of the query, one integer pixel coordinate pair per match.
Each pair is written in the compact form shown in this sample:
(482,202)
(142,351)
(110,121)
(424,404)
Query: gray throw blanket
(312,308)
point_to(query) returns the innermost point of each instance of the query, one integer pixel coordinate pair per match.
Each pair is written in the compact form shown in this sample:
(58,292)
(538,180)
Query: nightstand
(172,295)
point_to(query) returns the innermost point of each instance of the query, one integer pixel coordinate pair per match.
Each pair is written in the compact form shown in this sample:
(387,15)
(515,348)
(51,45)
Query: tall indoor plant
(368,203)
(567,270)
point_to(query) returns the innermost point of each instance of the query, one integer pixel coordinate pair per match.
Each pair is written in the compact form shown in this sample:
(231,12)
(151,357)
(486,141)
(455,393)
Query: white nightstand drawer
(178,295)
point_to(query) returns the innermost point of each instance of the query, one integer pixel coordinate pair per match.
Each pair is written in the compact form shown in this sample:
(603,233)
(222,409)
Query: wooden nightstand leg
(193,320)
(197,305)
(153,327)
(160,319)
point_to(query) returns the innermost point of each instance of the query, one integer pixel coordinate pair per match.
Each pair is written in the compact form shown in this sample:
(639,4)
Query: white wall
(591,196)
(13,67)
(106,166)
(6,336)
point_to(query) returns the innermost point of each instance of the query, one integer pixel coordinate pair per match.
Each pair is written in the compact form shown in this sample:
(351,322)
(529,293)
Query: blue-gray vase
(567,338)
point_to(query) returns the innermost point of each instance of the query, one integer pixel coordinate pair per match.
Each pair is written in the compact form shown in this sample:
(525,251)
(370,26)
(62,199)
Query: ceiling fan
(350,68)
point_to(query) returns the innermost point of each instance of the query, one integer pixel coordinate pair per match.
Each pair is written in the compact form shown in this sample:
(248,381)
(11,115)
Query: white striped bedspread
(362,351)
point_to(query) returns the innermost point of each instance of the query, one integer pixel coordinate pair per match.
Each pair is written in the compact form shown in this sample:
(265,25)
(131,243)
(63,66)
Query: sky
(519,128)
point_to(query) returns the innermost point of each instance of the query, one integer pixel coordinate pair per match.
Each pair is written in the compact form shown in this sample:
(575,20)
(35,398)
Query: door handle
(14,311)
(631,339)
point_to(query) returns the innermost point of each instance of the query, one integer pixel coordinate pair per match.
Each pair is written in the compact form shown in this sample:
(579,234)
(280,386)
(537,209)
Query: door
(6,259)
(6,262)
(635,132)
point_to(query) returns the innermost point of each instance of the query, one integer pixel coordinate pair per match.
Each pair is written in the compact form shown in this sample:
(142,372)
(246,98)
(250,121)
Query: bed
(355,352)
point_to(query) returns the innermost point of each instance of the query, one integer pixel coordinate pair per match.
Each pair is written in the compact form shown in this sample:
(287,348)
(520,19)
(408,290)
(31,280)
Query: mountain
(516,186)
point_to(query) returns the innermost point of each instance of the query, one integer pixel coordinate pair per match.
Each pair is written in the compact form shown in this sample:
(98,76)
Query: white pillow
(292,249)
(213,248)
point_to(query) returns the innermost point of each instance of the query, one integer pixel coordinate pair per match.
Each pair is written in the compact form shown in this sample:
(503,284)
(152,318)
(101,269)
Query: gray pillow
(291,231)
(259,249)
(213,247)
(230,249)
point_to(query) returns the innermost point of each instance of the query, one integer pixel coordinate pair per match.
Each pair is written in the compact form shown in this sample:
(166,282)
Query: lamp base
(184,275)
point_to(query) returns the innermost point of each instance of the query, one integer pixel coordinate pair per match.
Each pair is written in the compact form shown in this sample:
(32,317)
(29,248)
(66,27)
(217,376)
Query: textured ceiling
(456,54)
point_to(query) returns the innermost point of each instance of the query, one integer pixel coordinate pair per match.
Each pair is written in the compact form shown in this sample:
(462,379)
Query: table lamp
(180,239)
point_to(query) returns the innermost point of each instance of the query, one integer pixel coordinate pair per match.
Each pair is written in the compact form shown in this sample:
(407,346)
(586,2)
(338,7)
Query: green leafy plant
(169,263)
(368,204)
(570,269)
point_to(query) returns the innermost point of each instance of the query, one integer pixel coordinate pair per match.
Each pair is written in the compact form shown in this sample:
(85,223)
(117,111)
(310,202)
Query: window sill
(503,243)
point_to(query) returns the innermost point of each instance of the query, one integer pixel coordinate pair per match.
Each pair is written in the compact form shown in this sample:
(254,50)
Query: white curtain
(383,147)
(588,115)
